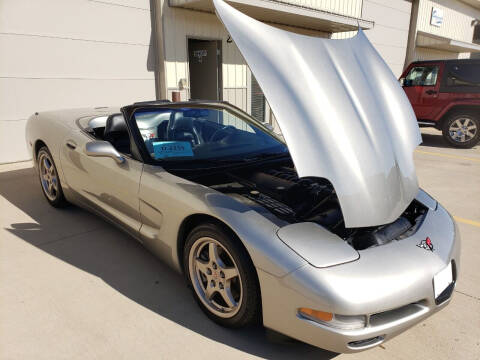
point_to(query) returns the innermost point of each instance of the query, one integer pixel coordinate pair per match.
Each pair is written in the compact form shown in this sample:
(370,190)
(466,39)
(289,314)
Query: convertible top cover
(341,111)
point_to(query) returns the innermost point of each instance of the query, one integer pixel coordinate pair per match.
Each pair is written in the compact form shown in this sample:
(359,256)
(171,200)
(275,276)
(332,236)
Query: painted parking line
(467,221)
(448,155)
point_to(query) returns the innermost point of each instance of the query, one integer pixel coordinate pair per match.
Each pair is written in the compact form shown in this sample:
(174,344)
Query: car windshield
(189,134)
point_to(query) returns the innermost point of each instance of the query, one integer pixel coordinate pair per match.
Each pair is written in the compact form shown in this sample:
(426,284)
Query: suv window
(421,76)
(467,75)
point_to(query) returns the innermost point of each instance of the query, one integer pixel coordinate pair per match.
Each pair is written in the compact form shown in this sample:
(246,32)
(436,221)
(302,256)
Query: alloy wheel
(48,176)
(462,129)
(215,277)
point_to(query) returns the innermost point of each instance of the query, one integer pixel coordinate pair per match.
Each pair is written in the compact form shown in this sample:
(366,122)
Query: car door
(103,184)
(421,84)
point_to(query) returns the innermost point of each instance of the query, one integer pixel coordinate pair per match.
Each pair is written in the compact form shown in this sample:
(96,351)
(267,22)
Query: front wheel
(462,129)
(49,179)
(222,276)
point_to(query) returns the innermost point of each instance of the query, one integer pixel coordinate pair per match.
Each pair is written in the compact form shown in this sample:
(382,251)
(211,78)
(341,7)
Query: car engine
(290,199)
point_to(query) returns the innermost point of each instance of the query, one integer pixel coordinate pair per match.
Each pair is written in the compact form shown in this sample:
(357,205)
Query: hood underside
(341,111)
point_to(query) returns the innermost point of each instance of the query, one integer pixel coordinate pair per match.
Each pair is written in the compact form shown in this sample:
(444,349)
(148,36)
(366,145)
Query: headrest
(183,123)
(116,123)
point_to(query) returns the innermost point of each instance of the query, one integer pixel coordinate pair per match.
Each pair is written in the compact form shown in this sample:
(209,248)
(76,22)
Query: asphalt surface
(74,287)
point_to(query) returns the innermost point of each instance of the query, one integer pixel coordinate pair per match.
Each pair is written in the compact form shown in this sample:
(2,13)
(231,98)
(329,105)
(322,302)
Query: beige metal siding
(181,24)
(433,54)
(457,25)
(343,7)
(62,54)
(457,19)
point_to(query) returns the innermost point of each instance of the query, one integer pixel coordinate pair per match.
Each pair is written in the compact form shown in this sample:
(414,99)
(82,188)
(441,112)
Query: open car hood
(341,111)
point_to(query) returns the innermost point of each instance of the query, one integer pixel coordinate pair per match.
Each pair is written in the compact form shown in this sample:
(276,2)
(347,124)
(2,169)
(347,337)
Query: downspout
(412,34)
(156,7)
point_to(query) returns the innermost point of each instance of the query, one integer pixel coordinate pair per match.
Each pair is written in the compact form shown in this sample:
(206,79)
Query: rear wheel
(462,129)
(222,276)
(49,180)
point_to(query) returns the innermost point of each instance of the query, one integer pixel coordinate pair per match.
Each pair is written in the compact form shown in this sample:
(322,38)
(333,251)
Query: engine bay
(276,191)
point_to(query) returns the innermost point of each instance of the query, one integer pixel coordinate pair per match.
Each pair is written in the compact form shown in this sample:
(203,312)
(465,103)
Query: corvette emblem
(426,244)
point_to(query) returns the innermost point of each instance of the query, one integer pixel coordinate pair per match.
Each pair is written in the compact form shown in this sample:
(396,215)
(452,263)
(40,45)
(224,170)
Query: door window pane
(464,75)
(422,76)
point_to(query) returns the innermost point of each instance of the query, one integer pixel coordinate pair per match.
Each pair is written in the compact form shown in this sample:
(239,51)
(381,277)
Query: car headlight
(344,322)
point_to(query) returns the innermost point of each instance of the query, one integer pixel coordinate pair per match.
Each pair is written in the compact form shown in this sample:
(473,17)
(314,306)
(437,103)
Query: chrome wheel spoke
(458,123)
(55,184)
(50,188)
(229,273)
(213,256)
(202,266)
(46,164)
(228,297)
(209,290)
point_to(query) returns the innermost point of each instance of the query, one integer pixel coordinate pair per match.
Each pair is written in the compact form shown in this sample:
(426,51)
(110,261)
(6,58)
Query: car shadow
(434,140)
(92,245)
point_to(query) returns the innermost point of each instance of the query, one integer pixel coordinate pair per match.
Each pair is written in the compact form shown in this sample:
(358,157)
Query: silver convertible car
(321,233)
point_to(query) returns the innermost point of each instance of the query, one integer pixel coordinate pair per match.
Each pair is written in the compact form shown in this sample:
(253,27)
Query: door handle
(430,92)
(71,144)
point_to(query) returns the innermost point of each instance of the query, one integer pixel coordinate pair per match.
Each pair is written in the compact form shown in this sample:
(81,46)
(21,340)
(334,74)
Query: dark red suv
(445,94)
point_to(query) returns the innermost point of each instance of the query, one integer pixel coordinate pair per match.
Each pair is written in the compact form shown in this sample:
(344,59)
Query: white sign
(200,54)
(437,17)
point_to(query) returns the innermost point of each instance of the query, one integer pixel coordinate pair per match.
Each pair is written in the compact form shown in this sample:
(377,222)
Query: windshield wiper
(227,162)
(266,156)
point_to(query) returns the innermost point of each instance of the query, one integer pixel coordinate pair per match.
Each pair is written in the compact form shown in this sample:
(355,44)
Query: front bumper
(391,284)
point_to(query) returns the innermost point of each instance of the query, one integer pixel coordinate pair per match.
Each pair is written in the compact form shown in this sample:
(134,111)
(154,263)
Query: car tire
(229,300)
(49,179)
(468,133)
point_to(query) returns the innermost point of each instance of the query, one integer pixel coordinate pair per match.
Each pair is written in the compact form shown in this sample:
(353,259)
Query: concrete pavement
(74,287)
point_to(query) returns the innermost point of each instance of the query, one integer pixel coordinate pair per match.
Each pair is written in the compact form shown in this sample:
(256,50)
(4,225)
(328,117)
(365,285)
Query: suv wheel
(49,180)
(462,129)
(222,276)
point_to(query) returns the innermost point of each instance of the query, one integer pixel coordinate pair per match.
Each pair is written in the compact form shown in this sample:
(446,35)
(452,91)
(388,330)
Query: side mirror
(402,81)
(268,126)
(103,149)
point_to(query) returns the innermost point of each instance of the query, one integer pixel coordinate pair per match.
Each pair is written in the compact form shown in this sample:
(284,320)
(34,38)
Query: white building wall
(389,36)
(457,25)
(390,33)
(70,53)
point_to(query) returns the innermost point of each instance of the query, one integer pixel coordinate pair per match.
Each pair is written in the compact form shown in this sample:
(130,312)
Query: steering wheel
(222,133)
